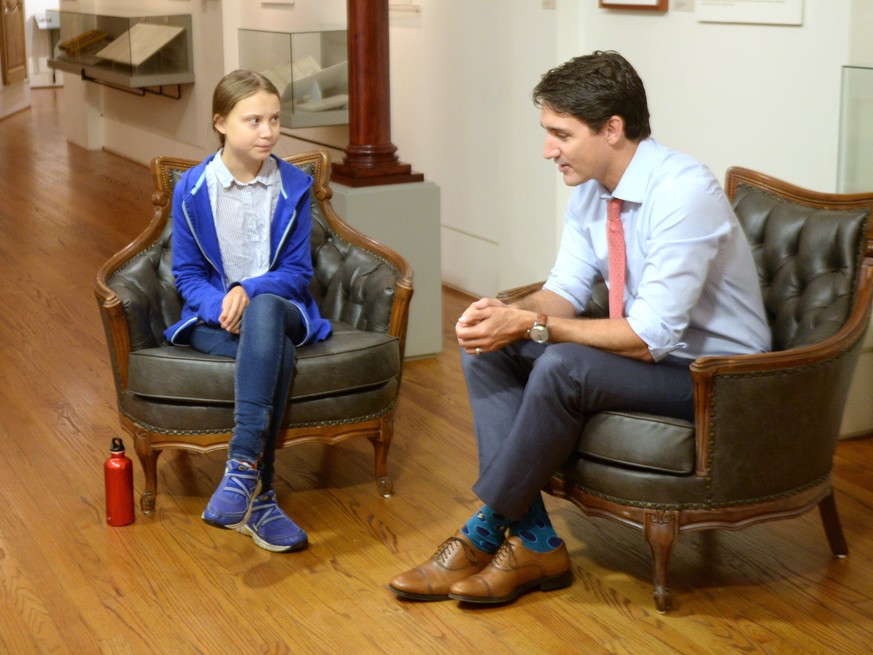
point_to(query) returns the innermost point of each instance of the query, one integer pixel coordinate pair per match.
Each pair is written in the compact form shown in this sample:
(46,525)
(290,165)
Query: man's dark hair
(594,88)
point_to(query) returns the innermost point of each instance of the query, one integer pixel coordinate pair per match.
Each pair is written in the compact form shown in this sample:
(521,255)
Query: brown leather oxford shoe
(454,560)
(514,571)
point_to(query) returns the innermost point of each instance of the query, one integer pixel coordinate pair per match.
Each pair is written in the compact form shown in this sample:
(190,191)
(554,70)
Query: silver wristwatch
(539,333)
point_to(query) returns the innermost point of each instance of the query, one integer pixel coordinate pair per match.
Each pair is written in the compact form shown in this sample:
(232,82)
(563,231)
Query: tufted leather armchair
(766,426)
(175,397)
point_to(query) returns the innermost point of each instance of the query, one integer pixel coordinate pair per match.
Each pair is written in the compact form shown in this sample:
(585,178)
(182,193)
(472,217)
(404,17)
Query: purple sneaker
(271,528)
(231,504)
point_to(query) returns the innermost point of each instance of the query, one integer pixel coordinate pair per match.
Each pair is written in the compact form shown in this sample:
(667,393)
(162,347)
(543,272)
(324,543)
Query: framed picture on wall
(651,5)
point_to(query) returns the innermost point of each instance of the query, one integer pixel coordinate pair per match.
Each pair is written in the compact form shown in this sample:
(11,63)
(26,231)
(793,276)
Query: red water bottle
(118,472)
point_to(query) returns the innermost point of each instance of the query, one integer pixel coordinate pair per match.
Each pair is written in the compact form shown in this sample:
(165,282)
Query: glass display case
(127,52)
(855,161)
(310,70)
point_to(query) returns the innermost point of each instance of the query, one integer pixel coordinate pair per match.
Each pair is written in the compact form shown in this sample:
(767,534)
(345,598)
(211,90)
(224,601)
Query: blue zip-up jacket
(197,264)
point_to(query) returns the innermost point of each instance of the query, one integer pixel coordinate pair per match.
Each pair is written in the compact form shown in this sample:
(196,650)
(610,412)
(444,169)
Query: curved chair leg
(149,460)
(662,532)
(147,501)
(381,443)
(827,508)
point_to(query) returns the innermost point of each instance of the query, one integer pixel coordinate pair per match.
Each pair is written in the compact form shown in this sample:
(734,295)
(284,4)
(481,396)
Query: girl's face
(251,130)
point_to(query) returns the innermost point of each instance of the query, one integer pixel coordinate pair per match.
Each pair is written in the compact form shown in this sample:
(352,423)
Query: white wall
(860,43)
(461,77)
(765,97)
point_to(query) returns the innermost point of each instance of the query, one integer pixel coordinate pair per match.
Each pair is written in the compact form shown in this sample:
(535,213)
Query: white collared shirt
(243,213)
(691,285)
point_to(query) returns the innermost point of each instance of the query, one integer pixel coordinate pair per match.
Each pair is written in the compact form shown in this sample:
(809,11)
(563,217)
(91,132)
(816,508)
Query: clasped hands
(232,308)
(490,324)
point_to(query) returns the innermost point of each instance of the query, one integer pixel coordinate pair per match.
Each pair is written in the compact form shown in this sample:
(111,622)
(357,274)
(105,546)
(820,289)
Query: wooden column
(370,157)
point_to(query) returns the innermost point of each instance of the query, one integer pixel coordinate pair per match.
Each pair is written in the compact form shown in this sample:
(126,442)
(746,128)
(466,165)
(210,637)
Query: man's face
(580,153)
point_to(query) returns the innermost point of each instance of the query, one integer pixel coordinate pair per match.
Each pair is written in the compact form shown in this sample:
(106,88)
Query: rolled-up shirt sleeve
(691,285)
(573,274)
(682,248)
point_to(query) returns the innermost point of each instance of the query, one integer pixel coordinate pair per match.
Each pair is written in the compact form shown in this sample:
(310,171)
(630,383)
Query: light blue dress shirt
(691,287)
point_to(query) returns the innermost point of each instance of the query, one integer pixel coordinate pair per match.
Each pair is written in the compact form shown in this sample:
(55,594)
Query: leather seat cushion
(350,360)
(640,441)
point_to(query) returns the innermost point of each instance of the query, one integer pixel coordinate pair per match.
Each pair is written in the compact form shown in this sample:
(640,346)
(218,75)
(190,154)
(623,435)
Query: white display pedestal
(858,415)
(855,175)
(406,218)
(81,116)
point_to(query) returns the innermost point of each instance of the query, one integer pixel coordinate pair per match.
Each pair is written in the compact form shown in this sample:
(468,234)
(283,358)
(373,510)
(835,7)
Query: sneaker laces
(267,511)
(237,478)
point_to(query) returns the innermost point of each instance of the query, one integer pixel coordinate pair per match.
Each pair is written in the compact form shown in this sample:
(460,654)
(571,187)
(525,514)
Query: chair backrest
(808,248)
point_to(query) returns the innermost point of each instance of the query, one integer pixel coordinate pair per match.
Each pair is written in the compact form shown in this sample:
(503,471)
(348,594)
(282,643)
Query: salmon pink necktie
(617,258)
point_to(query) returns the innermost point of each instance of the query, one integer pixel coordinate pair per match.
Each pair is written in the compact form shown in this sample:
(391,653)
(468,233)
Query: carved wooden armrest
(517,293)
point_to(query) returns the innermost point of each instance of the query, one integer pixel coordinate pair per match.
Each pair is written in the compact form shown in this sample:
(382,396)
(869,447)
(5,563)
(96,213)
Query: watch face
(539,333)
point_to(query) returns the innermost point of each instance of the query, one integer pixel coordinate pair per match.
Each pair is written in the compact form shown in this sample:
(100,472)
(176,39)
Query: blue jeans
(530,403)
(265,358)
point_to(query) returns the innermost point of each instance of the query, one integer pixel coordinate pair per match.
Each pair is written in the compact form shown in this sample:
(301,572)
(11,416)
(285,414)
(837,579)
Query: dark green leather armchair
(766,426)
(347,386)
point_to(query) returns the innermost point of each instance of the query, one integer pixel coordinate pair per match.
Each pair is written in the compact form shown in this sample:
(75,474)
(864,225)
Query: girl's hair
(234,87)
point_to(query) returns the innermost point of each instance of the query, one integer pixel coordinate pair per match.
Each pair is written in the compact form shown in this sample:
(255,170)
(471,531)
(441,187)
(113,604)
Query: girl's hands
(232,308)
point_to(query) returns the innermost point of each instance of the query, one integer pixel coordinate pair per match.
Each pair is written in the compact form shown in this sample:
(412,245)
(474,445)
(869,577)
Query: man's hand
(489,324)
(232,308)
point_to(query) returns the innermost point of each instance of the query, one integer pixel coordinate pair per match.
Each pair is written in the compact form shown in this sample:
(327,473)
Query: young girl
(242,263)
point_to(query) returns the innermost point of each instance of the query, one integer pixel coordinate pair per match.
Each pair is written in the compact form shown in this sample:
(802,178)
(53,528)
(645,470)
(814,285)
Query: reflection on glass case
(310,70)
(855,163)
(127,52)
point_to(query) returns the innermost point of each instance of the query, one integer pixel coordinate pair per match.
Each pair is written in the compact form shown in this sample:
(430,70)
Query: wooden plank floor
(170,584)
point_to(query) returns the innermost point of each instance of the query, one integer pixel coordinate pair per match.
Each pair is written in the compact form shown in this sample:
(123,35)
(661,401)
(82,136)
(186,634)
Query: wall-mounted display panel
(768,12)
(855,161)
(309,69)
(132,52)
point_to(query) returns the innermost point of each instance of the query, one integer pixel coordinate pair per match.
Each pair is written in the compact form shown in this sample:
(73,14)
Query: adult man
(535,370)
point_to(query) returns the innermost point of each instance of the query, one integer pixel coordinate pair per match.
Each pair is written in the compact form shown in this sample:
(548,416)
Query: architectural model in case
(139,43)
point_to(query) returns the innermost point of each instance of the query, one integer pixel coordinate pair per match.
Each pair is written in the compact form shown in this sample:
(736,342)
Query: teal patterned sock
(486,529)
(535,529)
